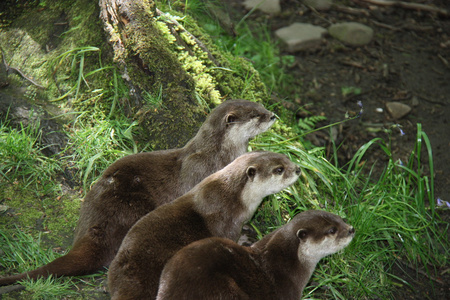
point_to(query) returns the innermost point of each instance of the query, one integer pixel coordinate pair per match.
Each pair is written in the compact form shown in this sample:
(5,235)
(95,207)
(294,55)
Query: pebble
(397,109)
(266,6)
(300,36)
(351,33)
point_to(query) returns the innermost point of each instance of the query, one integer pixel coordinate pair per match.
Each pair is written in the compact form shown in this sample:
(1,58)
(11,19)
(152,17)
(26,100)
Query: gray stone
(319,4)
(267,6)
(351,33)
(300,36)
(397,109)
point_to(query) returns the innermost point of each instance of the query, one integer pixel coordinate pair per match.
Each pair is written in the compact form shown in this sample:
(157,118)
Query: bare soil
(407,61)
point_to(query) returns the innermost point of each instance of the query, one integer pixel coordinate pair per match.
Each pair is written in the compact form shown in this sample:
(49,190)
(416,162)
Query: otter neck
(208,152)
(214,142)
(221,205)
(279,259)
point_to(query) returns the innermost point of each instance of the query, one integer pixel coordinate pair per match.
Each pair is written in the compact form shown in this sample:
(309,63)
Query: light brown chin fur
(137,184)
(218,206)
(276,267)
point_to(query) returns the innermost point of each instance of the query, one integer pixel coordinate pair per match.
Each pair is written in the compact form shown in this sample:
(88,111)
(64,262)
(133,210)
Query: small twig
(443,59)
(390,27)
(356,64)
(408,5)
(319,15)
(351,10)
(199,43)
(426,98)
(8,67)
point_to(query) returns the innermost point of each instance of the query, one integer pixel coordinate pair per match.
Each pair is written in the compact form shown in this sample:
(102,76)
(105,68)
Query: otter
(218,206)
(136,184)
(276,267)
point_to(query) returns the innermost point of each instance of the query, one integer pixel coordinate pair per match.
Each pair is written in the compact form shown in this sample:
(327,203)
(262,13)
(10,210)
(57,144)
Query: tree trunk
(147,65)
(139,62)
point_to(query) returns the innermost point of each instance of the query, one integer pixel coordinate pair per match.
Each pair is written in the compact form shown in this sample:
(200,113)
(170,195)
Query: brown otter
(217,206)
(276,267)
(137,184)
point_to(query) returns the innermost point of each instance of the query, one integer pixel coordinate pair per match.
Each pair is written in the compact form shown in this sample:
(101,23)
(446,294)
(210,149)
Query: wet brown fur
(277,267)
(137,184)
(217,206)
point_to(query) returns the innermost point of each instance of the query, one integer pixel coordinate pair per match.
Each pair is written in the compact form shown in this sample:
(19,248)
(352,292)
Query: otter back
(277,267)
(217,206)
(137,184)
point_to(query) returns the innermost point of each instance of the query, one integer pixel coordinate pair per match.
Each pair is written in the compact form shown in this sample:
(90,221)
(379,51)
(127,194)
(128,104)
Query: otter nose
(351,230)
(298,171)
(273,117)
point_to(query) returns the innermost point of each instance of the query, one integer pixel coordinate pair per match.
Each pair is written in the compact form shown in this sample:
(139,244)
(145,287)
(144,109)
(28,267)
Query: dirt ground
(407,61)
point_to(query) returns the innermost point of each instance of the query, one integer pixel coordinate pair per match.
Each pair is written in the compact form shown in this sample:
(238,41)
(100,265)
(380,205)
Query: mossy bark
(155,56)
(113,59)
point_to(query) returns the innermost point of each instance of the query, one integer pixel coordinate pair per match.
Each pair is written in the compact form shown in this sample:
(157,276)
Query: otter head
(266,173)
(240,120)
(319,234)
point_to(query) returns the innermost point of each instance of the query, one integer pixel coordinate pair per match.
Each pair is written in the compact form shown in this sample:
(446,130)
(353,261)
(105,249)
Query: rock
(300,36)
(351,33)
(319,4)
(397,109)
(267,6)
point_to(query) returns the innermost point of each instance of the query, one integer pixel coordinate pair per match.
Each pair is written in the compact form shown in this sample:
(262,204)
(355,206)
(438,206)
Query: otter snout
(351,231)
(298,171)
(273,117)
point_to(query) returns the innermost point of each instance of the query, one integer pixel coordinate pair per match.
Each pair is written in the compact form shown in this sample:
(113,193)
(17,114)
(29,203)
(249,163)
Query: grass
(393,212)
(93,148)
(390,212)
(256,44)
(22,158)
(253,42)
(22,252)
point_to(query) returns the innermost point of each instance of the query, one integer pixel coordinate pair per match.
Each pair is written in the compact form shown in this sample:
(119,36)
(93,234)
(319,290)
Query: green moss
(55,215)
(158,61)
(35,39)
(236,76)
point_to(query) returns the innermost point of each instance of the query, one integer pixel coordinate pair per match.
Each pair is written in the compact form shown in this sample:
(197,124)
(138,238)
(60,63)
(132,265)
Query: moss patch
(54,215)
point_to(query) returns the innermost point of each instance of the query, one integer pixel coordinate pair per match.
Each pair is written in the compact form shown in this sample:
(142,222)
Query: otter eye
(332,230)
(302,234)
(278,170)
(231,118)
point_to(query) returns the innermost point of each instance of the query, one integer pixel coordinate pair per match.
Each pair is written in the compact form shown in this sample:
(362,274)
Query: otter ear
(251,172)
(230,118)
(302,234)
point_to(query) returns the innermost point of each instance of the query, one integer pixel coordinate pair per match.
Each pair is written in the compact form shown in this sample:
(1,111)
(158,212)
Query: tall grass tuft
(24,253)
(93,148)
(393,214)
(22,159)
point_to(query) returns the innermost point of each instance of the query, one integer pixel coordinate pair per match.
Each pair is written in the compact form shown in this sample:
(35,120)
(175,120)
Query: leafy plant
(309,123)
(347,90)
